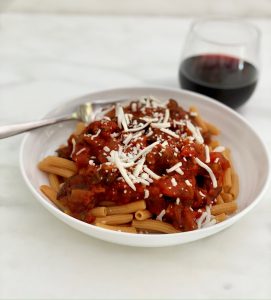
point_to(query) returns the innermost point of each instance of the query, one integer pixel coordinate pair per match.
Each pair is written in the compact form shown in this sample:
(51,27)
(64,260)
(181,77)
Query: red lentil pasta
(147,167)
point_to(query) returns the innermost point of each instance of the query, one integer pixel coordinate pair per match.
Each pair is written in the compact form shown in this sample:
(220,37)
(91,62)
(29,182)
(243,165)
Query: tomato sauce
(181,194)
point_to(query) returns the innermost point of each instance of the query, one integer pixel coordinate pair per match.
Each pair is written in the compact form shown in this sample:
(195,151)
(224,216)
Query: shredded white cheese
(166,116)
(182,123)
(146,150)
(209,170)
(142,180)
(187,182)
(179,171)
(80,151)
(123,171)
(176,166)
(202,195)
(114,134)
(219,149)
(127,118)
(207,154)
(139,167)
(106,149)
(211,223)
(200,220)
(91,162)
(160,125)
(161,215)
(127,140)
(122,118)
(216,160)
(151,173)
(95,135)
(134,107)
(146,194)
(170,132)
(195,132)
(173,181)
(138,128)
(164,144)
(73,146)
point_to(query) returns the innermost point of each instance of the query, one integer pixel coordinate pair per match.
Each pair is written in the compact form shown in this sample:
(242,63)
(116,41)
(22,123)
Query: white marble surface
(143,7)
(48,59)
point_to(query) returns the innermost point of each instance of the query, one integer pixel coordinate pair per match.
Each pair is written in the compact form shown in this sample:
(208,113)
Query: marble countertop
(48,59)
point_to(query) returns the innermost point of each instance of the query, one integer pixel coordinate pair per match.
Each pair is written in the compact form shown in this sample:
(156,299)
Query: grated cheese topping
(160,125)
(187,182)
(139,167)
(106,149)
(207,154)
(122,170)
(170,132)
(161,215)
(97,134)
(80,151)
(173,181)
(91,162)
(174,168)
(195,132)
(146,194)
(138,128)
(73,146)
(202,195)
(219,149)
(209,170)
(165,121)
(151,173)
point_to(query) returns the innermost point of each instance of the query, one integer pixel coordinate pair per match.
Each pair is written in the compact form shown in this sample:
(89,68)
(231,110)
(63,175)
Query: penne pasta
(227,180)
(227,197)
(227,154)
(198,119)
(213,144)
(80,126)
(154,225)
(45,167)
(51,194)
(115,219)
(227,208)
(143,214)
(54,181)
(100,211)
(235,185)
(126,208)
(128,229)
(221,217)
(219,199)
(212,128)
(60,163)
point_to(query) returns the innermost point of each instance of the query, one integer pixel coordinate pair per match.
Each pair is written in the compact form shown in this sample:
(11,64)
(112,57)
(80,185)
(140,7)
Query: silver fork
(86,113)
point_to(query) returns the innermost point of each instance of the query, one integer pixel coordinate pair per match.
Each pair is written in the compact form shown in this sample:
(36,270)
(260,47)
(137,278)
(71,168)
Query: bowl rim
(219,226)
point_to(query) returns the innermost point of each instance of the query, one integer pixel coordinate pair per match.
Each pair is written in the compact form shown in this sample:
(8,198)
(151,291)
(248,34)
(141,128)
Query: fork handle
(10,130)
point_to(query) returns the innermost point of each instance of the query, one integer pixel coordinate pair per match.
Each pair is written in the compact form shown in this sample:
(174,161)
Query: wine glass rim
(241,21)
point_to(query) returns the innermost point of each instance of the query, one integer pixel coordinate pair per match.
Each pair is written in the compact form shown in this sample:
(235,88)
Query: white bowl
(249,155)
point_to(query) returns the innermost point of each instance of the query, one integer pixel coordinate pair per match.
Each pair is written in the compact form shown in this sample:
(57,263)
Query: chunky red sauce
(183,194)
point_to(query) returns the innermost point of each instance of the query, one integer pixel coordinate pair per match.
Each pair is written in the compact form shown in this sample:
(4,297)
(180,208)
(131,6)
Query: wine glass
(221,59)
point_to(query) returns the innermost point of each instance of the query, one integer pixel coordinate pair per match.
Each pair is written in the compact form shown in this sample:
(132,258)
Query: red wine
(225,78)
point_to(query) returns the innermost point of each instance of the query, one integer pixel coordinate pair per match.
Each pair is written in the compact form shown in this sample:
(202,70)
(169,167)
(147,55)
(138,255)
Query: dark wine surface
(225,78)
